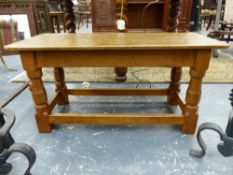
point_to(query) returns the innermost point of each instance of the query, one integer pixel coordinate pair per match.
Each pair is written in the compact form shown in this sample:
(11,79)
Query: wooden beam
(119,91)
(180,101)
(59,118)
(53,101)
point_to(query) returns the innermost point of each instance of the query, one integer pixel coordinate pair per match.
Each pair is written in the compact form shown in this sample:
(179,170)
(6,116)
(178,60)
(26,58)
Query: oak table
(116,50)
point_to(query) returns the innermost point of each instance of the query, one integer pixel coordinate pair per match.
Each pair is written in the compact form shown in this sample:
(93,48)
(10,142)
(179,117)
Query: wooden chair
(55,16)
(208,12)
(224,33)
(83,12)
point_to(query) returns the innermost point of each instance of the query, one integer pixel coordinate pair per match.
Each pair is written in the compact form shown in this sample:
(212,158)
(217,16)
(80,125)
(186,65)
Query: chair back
(54,6)
(83,7)
(210,4)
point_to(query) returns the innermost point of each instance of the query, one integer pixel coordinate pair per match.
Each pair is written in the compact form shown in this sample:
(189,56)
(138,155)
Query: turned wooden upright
(176,72)
(121,71)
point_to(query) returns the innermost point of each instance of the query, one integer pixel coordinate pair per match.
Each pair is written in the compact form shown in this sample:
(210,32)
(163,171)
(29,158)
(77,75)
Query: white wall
(22,20)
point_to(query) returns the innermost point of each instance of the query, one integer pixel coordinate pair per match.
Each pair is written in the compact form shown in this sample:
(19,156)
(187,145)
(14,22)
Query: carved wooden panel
(103,15)
(185,14)
(36,10)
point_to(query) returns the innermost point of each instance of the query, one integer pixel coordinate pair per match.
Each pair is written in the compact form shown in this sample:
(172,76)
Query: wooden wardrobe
(156,16)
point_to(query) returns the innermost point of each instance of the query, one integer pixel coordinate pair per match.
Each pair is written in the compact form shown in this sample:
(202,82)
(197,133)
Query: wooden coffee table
(173,50)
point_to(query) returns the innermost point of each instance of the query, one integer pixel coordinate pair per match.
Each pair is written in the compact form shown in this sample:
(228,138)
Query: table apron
(105,58)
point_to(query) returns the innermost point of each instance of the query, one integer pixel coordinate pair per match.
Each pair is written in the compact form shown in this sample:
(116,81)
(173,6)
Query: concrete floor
(117,149)
(123,150)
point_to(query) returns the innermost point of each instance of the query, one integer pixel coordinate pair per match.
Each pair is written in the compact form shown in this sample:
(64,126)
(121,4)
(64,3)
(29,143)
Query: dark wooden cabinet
(103,15)
(185,14)
(156,16)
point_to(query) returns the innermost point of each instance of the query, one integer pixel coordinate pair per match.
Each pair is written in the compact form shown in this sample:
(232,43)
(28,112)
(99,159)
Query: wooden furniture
(224,33)
(54,17)
(226,29)
(156,17)
(36,11)
(104,19)
(209,11)
(185,15)
(112,50)
(8,34)
(83,12)
(140,15)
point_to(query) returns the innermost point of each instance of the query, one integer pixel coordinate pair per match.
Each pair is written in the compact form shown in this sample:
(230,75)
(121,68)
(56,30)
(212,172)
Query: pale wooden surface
(116,41)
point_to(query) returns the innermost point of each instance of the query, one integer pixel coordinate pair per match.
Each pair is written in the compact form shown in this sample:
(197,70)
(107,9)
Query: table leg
(229,36)
(174,86)
(87,19)
(209,23)
(61,86)
(51,24)
(69,16)
(64,24)
(120,73)
(197,72)
(38,91)
(58,24)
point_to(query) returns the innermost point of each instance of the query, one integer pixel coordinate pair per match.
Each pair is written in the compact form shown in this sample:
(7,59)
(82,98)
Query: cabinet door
(185,14)
(103,15)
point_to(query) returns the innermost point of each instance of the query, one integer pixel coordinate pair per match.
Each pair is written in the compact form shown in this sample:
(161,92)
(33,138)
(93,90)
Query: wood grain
(119,91)
(116,41)
(193,94)
(38,92)
(59,118)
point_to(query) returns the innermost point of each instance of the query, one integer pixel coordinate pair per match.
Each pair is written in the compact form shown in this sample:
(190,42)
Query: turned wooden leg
(61,86)
(69,16)
(38,92)
(64,23)
(174,86)
(121,73)
(193,94)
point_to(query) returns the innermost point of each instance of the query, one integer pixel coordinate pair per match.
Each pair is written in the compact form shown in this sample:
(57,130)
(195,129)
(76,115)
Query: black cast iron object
(225,147)
(8,145)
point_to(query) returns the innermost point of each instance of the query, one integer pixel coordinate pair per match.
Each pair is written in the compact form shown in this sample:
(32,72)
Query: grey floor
(117,149)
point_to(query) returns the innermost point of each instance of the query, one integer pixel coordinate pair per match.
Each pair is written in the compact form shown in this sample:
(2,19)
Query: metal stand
(225,147)
(8,145)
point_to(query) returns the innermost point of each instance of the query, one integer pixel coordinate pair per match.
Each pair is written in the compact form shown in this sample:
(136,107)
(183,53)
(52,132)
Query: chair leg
(79,20)
(87,19)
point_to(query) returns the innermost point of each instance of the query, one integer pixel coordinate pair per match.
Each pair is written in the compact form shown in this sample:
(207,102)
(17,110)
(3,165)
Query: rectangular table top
(116,41)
